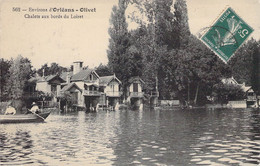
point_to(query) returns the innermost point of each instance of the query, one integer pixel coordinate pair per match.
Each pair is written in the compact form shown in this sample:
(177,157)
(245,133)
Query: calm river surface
(149,137)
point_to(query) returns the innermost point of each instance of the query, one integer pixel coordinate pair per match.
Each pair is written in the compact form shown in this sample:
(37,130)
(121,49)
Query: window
(53,88)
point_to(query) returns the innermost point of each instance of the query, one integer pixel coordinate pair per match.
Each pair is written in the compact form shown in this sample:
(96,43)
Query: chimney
(43,72)
(77,67)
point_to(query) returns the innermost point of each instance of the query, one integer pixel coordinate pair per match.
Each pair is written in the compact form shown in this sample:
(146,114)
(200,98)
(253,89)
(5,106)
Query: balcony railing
(91,93)
(136,94)
(113,93)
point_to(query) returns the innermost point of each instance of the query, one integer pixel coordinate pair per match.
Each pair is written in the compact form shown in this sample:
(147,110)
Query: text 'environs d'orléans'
(56,12)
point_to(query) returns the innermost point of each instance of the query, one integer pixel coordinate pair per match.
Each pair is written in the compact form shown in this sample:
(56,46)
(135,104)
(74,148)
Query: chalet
(49,85)
(110,86)
(232,81)
(88,81)
(135,92)
(251,98)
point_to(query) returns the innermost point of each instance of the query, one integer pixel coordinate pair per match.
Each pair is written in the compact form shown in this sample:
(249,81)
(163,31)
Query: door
(135,85)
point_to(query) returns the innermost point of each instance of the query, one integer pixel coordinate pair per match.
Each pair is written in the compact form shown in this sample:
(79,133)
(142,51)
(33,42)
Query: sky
(86,39)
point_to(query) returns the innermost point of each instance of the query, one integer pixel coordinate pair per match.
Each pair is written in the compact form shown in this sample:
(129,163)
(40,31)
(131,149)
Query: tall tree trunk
(188,91)
(196,95)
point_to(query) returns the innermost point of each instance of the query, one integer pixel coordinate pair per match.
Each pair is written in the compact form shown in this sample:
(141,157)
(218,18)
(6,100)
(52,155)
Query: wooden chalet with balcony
(88,81)
(47,85)
(110,86)
(135,94)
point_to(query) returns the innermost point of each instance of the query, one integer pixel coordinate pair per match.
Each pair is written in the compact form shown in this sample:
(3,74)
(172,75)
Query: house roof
(107,79)
(45,79)
(64,75)
(52,77)
(33,79)
(234,82)
(229,81)
(245,88)
(69,86)
(82,75)
(137,78)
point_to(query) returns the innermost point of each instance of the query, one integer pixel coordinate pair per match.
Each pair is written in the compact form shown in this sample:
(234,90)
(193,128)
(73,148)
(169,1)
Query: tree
(245,64)
(20,72)
(184,67)
(181,25)
(255,78)
(67,100)
(4,74)
(205,70)
(103,70)
(52,70)
(119,43)
(155,41)
(224,93)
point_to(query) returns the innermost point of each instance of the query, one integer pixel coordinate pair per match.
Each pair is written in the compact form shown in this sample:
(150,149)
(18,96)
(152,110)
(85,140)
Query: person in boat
(10,110)
(35,109)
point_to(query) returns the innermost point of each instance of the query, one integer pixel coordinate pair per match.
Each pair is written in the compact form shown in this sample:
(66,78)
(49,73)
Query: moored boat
(24,118)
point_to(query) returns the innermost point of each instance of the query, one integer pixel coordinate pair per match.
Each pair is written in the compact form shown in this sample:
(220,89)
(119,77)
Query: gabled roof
(232,81)
(229,81)
(33,79)
(137,78)
(64,75)
(50,77)
(69,86)
(105,80)
(246,88)
(45,79)
(82,75)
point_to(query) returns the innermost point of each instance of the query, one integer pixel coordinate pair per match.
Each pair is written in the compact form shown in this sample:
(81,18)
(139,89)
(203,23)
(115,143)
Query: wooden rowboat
(24,118)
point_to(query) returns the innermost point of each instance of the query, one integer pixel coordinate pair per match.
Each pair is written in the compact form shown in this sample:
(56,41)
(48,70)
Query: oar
(37,115)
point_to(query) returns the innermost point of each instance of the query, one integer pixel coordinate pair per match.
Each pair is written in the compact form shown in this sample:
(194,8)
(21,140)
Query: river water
(149,137)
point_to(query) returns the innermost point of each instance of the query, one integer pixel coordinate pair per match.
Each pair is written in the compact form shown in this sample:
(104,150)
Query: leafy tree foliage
(103,70)
(181,25)
(166,51)
(123,57)
(52,70)
(154,42)
(4,74)
(20,72)
(224,93)
(245,64)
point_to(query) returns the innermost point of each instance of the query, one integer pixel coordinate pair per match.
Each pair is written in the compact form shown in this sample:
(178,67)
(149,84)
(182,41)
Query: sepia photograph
(129,82)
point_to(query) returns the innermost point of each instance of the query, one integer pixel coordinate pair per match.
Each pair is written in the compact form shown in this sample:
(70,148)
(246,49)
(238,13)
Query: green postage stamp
(227,34)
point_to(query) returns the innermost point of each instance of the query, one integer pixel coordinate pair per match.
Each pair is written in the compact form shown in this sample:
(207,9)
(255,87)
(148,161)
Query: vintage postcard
(129,82)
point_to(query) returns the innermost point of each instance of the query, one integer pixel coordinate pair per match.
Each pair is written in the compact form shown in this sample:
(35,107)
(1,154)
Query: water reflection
(15,149)
(149,137)
(230,140)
